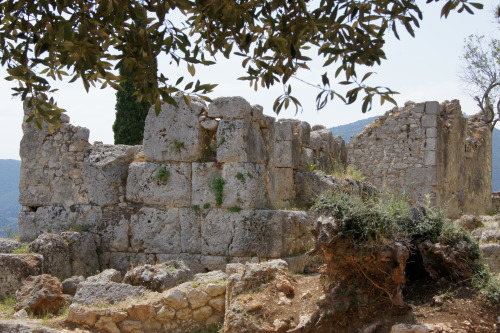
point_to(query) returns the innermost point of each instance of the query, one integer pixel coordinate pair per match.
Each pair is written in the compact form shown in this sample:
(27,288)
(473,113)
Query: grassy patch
(162,175)
(7,307)
(22,250)
(234,209)
(217,187)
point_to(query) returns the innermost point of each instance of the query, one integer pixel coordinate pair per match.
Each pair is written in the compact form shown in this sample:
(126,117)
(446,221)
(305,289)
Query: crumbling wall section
(428,150)
(205,187)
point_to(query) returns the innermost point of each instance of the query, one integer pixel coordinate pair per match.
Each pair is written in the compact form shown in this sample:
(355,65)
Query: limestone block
(202,313)
(15,268)
(203,174)
(315,141)
(165,314)
(175,298)
(123,261)
(82,253)
(160,184)
(257,233)
(283,130)
(304,130)
(240,141)
(432,107)
(104,172)
(245,185)
(141,311)
(190,230)
(230,108)
(284,185)
(431,132)
(429,120)
(296,232)
(197,298)
(55,251)
(131,326)
(184,314)
(106,324)
(217,232)
(430,158)
(214,289)
(81,315)
(217,303)
(114,231)
(430,144)
(175,133)
(155,231)
(93,293)
(283,157)
(27,226)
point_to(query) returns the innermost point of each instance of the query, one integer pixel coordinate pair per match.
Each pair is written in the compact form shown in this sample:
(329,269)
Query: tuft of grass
(7,306)
(234,209)
(196,208)
(217,187)
(79,227)
(162,175)
(349,172)
(22,250)
(177,146)
(206,206)
(240,176)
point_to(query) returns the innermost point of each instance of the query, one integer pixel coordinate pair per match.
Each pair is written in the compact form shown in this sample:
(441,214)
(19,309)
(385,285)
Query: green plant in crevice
(217,187)
(240,176)
(162,175)
(234,209)
(177,146)
(206,206)
(196,208)
(24,249)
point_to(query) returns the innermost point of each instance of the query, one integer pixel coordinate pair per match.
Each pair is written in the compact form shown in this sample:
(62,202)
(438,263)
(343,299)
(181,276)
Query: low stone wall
(184,308)
(207,186)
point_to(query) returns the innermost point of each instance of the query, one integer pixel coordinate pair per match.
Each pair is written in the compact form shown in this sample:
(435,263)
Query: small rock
(71,284)
(40,294)
(21,314)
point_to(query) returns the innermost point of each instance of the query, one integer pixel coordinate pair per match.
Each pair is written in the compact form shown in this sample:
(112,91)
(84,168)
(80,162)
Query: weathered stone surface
(163,141)
(123,261)
(296,232)
(70,285)
(217,303)
(284,185)
(156,231)
(243,185)
(55,251)
(9,245)
(81,315)
(104,172)
(240,141)
(108,275)
(406,328)
(82,253)
(190,225)
(160,184)
(491,257)
(203,175)
(175,298)
(159,277)
(6,327)
(15,268)
(230,108)
(40,295)
(201,314)
(93,293)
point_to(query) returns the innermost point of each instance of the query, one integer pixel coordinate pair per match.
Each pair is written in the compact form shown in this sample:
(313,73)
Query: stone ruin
(429,149)
(209,186)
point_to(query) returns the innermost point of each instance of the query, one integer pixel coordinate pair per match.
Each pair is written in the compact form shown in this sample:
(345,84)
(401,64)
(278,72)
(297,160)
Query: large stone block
(284,184)
(123,261)
(283,130)
(240,141)
(160,184)
(15,268)
(190,229)
(114,230)
(217,230)
(257,233)
(105,172)
(230,108)
(156,231)
(245,185)
(296,232)
(283,157)
(175,133)
(203,175)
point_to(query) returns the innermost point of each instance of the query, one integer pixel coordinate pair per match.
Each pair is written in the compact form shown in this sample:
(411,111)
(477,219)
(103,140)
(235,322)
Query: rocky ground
(264,297)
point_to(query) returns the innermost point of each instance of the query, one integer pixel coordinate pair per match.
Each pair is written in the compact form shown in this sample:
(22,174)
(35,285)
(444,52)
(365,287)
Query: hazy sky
(422,69)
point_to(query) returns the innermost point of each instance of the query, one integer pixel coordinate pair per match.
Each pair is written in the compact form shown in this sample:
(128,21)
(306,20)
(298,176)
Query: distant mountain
(349,130)
(9,196)
(346,131)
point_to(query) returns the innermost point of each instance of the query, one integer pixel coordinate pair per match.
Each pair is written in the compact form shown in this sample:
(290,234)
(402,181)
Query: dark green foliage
(128,127)
(162,175)
(217,186)
(88,40)
(234,209)
(371,219)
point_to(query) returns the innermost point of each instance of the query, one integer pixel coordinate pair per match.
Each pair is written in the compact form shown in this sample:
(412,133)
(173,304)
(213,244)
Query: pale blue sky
(421,69)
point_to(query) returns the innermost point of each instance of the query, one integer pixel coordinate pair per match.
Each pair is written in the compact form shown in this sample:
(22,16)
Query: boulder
(67,254)
(491,256)
(445,261)
(15,327)
(469,222)
(9,245)
(40,295)
(15,268)
(93,293)
(108,275)
(159,277)
(70,285)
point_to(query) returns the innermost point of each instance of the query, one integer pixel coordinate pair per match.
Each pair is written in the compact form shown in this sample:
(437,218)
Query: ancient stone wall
(205,186)
(428,149)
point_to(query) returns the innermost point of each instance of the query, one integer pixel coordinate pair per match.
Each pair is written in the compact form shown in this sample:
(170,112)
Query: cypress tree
(128,127)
